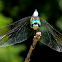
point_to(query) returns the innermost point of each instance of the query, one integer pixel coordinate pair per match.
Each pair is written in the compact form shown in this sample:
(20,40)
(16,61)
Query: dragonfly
(22,29)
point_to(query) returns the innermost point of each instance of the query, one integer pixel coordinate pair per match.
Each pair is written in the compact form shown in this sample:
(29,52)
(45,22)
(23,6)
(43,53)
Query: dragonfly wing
(19,32)
(50,36)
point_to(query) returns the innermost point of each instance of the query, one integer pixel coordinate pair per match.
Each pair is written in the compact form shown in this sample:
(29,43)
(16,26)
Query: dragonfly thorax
(35,22)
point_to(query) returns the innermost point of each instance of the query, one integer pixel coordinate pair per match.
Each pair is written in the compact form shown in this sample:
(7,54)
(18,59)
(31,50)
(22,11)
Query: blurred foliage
(59,23)
(11,53)
(13,10)
(60,4)
(4,20)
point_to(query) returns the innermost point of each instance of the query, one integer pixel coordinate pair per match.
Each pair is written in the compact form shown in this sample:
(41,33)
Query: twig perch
(35,39)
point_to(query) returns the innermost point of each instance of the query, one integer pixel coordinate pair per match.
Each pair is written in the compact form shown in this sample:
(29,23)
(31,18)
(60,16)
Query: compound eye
(38,22)
(32,22)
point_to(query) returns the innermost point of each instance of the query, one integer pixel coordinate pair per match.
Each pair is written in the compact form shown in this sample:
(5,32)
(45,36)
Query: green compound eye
(38,22)
(35,21)
(32,22)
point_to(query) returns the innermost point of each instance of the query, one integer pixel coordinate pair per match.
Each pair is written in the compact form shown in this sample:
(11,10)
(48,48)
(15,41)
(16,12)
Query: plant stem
(35,39)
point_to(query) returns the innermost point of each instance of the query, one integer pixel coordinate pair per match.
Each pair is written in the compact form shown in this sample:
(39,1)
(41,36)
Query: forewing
(50,36)
(17,33)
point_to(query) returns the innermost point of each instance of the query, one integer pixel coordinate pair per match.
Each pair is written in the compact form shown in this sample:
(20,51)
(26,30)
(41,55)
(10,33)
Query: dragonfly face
(35,23)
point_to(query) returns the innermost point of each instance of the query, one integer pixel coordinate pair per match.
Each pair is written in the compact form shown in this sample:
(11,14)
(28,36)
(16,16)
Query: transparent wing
(50,36)
(17,32)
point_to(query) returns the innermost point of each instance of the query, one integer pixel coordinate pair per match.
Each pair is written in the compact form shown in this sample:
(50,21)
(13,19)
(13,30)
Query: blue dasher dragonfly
(22,29)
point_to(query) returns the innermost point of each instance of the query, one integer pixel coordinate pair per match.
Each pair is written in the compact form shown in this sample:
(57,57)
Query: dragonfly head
(35,22)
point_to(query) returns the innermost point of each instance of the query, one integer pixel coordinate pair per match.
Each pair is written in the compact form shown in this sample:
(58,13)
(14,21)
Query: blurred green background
(13,10)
